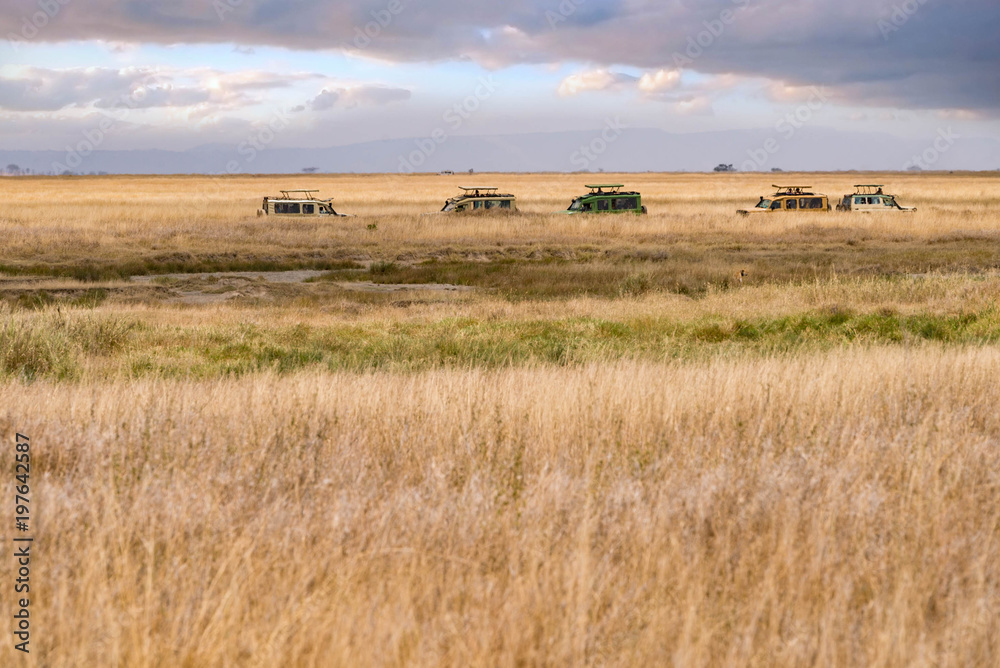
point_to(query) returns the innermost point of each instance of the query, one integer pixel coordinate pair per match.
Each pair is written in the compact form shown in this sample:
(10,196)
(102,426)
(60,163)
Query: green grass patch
(46,346)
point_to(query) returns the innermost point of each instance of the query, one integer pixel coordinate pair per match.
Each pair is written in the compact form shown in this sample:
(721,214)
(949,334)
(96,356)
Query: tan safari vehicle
(871,199)
(299,203)
(790,198)
(480,200)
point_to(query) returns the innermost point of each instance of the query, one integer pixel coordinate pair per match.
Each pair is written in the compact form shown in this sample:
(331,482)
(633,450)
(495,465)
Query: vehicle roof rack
(304,194)
(793,190)
(609,188)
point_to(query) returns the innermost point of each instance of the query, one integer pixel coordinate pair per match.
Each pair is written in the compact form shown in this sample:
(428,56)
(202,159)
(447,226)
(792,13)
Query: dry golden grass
(59,221)
(583,461)
(836,509)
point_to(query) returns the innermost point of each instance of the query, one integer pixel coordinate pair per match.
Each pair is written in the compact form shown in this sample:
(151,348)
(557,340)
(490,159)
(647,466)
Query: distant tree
(777,169)
(13,170)
(310,170)
(472,171)
(915,168)
(723,167)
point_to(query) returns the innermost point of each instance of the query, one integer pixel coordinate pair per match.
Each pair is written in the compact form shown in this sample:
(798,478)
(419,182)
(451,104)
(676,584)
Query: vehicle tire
(645,211)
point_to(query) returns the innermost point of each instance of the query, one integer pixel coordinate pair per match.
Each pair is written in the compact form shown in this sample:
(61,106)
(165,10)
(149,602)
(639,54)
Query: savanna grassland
(687,438)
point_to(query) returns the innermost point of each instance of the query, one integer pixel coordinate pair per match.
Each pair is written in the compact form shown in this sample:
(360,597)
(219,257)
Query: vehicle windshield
(449,206)
(764,204)
(577,204)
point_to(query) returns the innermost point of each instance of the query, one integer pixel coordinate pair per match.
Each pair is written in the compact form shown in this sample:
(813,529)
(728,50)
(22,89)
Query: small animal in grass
(743,274)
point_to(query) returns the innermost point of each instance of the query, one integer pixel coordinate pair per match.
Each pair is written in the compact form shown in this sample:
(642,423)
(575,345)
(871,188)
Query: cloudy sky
(182,73)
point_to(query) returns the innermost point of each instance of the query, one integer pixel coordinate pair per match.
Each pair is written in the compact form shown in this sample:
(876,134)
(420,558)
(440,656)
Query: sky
(179,74)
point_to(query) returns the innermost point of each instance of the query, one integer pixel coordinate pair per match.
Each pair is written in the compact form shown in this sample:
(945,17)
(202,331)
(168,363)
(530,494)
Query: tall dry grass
(59,221)
(834,509)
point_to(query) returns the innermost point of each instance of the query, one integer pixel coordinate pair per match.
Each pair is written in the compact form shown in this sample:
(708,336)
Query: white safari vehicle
(871,199)
(298,203)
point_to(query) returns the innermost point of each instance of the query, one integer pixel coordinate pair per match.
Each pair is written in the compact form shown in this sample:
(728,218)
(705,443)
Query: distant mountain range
(612,150)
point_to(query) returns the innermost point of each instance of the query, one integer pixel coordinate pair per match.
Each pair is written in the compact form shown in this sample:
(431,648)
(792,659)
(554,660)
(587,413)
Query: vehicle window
(504,204)
(576,205)
(478,204)
(859,200)
(816,203)
(625,203)
(792,204)
(776,205)
(764,204)
(603,205)
(449,207)
(309,209)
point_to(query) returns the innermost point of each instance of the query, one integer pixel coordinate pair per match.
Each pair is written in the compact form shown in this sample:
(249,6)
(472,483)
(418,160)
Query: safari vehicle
(607,199)
(871,199)
(298,203)
(790,198)
(480,199)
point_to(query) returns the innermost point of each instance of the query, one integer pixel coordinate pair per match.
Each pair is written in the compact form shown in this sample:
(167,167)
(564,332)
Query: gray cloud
(355,96)
(908,53)
(374,95)
(40,89)
(327,99)
(51,90)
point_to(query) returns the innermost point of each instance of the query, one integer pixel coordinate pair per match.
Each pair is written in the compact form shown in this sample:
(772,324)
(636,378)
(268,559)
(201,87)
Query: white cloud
(594,80)
(660,81)
(694,106)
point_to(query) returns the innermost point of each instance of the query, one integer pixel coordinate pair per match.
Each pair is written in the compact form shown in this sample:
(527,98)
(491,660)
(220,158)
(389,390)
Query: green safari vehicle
(607,199)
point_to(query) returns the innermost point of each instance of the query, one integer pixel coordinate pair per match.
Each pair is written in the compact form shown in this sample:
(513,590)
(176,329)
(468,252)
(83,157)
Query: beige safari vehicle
(480,200)
(299,203)
(790,198)
(871,199)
